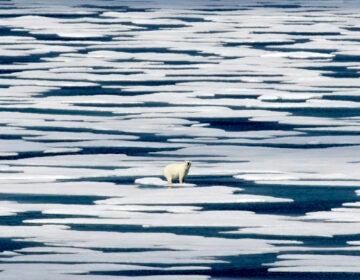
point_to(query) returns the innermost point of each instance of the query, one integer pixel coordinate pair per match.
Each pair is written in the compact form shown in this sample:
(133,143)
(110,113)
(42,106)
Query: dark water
(97,97)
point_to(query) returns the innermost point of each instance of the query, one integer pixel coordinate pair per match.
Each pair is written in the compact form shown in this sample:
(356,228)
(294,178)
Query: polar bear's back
(173,170)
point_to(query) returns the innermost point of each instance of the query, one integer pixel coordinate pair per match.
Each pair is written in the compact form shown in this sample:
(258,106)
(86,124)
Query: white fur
(177,171)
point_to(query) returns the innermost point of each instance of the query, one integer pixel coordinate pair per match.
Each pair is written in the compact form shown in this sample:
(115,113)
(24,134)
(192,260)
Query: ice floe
(316,263)
(96,99)
(155,181)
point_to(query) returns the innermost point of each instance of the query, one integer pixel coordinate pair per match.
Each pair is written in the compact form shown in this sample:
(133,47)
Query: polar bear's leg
(169,179)
(181,179)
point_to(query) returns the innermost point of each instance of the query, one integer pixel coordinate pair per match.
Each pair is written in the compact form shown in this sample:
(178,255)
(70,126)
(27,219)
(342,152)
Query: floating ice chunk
(184,268)
(285,242)
(61,188)
(329,128)
(298,55)
(281,226)
(336,215)
(180,196)
(268,97)
(14,146)
(352,204)
(155,181)
(192,246)
(112,55)
(6,212)
(62,271)
(267,177)
(62,150)
(109,211)
(4,154)
(152,181)
(8,254)
(316,263)
(313,183)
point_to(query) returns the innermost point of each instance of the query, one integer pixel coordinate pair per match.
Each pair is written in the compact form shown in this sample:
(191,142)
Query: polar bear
(177,171)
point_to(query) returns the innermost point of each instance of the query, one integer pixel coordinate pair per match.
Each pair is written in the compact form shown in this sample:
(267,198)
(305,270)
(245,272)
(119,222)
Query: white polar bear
(177,171)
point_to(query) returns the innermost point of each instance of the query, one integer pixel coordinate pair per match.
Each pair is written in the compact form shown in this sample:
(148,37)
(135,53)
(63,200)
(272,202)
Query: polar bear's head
(187,164)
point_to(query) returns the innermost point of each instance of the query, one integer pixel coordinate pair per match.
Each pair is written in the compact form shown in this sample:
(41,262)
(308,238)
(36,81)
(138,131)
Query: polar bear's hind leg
(169,179)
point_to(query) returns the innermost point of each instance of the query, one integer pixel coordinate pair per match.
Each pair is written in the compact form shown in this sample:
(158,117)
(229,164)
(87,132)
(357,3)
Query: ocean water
(97,97)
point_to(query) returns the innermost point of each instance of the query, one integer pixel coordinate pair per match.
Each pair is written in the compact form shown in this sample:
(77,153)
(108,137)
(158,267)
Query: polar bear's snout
(177,171)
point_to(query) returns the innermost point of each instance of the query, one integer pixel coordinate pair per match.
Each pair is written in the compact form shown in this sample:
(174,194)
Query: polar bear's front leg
(181,179)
